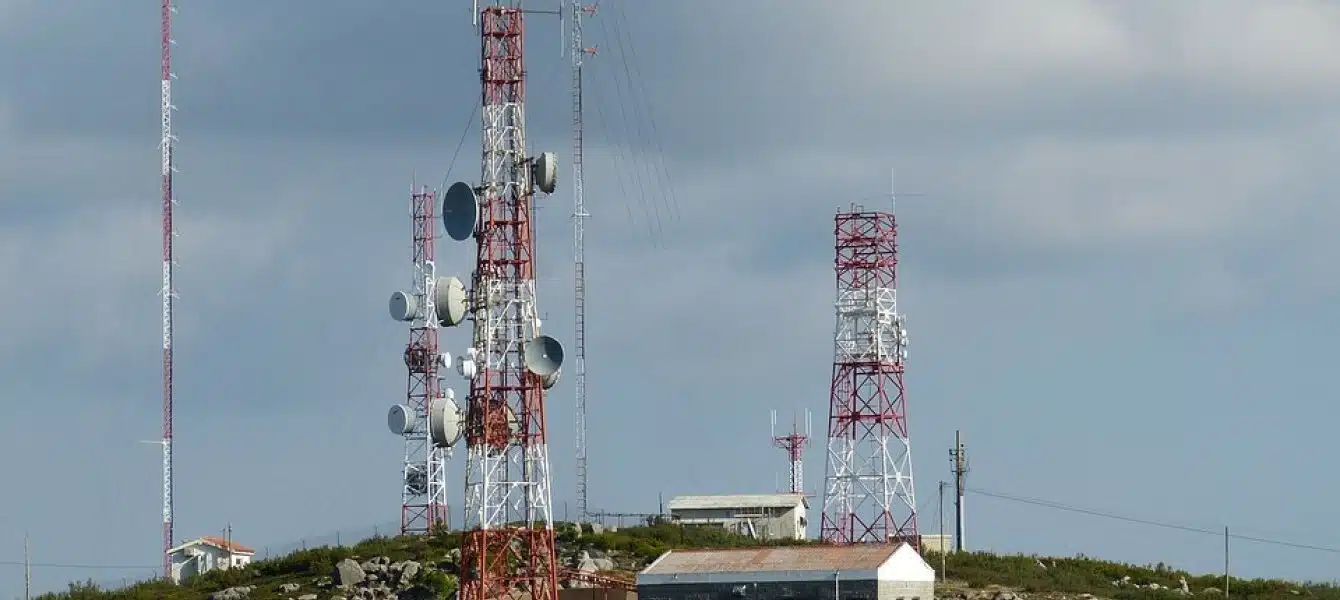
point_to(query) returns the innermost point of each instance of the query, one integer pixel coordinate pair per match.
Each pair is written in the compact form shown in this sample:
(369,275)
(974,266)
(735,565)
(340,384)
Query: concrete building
(857,572)
(761,516)
(937,542)
(205,554)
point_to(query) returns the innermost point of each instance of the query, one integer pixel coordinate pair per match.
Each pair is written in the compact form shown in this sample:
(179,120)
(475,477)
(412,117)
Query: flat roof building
(760,516)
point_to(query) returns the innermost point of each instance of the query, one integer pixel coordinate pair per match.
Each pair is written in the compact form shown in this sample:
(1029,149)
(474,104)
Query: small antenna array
(794,443)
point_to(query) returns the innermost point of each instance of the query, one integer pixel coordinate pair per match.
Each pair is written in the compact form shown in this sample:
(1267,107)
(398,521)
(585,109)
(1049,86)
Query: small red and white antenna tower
(508,547)
(579,214)
(794,443)
(428,420)
(868,491)
(169,293)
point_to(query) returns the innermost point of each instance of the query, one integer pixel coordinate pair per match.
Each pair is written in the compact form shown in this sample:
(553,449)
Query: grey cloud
(1033,303)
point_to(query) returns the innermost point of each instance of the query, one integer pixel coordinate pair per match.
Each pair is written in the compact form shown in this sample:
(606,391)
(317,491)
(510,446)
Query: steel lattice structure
(579,215)
(424,479)
(794,443)
(508,548)
(869,494)
(169,293)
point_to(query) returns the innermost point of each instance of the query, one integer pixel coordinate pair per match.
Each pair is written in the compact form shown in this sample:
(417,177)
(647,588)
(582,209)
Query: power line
(19,563)
(1150,522)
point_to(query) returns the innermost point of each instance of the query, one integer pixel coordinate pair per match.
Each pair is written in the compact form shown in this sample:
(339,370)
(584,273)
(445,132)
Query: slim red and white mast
(168,292)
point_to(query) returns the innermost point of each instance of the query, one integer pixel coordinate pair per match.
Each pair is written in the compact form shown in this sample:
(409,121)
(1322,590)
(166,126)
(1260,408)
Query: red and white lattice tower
(868,491)
(168,291)
(423,493)
(508,546)
(794,443)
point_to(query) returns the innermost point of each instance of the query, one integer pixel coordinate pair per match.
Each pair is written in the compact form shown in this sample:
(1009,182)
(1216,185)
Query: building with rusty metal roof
(856,572)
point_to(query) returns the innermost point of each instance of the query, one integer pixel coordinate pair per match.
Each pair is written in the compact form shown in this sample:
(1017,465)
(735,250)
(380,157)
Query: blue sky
(1116,280)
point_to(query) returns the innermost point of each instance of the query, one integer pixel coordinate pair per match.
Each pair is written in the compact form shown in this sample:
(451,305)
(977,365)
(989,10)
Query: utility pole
(1225,561)
(27,570)
(959,458)
(943,546)
(228,541)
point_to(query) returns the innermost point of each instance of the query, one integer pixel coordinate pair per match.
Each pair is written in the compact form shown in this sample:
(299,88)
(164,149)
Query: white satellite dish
(404,307)
(551,379)
(544,172)
(450,301)
(400,419)
(466,368)
(444,422)
(543,355)
(460,211)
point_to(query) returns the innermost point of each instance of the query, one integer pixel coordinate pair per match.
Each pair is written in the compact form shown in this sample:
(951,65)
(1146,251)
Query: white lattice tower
(869,494)
(168,291)
(579,214)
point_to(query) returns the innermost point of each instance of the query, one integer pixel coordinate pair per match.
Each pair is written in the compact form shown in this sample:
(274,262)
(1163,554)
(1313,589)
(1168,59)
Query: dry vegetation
(1038,578)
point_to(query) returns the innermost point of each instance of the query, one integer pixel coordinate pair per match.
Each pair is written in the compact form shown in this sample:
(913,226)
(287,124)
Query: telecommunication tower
(508,546)
(794,443)
(579,214)
(169,293)
(868,491)
(429,419)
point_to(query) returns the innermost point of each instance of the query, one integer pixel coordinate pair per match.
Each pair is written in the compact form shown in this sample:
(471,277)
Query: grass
(635,546)
(1084,575)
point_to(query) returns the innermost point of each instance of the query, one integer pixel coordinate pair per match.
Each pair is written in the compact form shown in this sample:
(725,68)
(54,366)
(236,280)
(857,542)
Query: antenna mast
(579,215)
(507,551)
(794,443)
(869,496)
(169,293)
(429,408)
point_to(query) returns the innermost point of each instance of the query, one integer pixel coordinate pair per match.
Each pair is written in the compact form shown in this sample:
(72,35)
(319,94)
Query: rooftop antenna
(166,147)
(794,443)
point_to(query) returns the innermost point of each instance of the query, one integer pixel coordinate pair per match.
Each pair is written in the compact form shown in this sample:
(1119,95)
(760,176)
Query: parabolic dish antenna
(543,355)
(400,419)
(460,211)
(444,422)
(451,301)
(404,307)
(544,172)
(550,380)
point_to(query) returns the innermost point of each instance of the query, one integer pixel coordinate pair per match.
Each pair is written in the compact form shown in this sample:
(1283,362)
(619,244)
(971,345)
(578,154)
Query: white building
(761,516)
(205,554)
(856,572)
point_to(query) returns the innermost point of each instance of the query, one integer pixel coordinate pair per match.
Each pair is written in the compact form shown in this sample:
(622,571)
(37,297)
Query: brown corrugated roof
(783,558)
(223,544)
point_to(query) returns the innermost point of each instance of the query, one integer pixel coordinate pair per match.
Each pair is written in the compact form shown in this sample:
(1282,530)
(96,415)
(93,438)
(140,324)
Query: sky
(1113,231)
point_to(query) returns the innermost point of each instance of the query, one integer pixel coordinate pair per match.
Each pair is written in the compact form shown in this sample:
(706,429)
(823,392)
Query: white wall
(768,523)
(202,558)
(906,565)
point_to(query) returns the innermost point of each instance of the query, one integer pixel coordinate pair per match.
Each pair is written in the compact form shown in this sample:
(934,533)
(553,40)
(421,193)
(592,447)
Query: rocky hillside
(425,567)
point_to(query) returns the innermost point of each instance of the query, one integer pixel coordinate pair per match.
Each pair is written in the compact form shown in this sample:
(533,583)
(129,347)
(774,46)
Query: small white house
(205,554)
(760,516)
